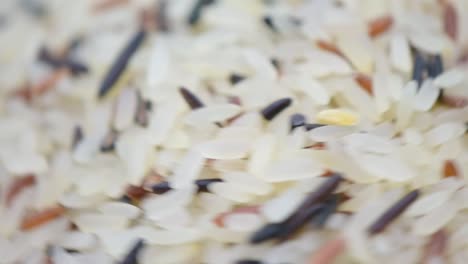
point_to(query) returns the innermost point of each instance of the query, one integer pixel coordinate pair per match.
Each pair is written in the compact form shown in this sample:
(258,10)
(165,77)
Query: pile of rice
(113,112)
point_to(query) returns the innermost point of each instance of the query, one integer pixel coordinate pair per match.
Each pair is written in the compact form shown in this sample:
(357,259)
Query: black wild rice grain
(435,66)
(197,10)
(311,126)
(328,209)
(132,255)
(46,57)
(75,43)
(218,124)
(161,188)
(320,194)
(310,207)
(268,21)
(108,144)
(297,120)
(235,78)
(125,199)
(393,212)
(192,100)
(120,64)
(275,63)
(249,261)
(77,136)
(76,68)
(148,105)
(292,225)
(267,232)
(419,67)
(275,108)
(204,183)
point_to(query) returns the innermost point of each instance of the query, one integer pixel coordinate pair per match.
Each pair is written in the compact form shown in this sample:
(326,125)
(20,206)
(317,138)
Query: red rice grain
(450,169)
(37,219)
(328,252)
(28,93)
(436,247)
(379,25)
(454,101)
(365,82)
(330,47)
(135,192)
(219,219)
(18,185)
(450,20)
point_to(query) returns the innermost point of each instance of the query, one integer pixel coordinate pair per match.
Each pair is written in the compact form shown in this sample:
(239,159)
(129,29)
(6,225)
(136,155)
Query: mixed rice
(233,131)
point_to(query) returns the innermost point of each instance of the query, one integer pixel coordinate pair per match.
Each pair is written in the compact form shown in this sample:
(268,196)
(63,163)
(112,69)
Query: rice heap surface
(233,131)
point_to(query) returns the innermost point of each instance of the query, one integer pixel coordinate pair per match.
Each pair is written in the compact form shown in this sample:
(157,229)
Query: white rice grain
(436,219)
(419,40)
(230,191)
(443,132)
(248,183)
(211,114)
(449,79)
(426,96)
(260,64)
(159,63)
(293,169)
(125,109)
(428,203)
(400,54)
(387,167)
(159,206)
(77,241)
(278,208)
(188,169)
(224,149)
(120,209)
(330,133)
(243,222)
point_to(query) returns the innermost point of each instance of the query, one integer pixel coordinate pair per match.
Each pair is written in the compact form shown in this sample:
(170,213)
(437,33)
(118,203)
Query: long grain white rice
(428,203)
(125,109)
(224,149)
(449,79)
(400,54)
(434,220)
(188,169)
(293,169)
